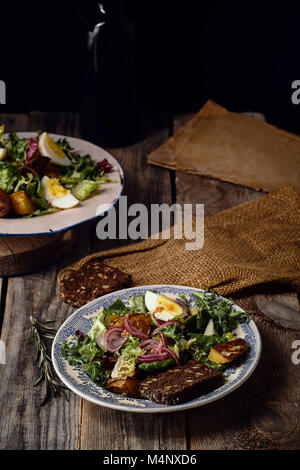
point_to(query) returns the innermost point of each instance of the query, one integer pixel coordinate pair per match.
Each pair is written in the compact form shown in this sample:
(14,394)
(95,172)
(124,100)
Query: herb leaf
(40,332)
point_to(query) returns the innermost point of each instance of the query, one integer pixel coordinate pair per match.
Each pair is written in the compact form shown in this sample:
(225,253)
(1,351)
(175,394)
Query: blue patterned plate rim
(79,382)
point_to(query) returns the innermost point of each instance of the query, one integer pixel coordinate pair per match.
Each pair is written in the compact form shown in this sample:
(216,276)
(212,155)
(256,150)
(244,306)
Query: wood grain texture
(2,302)
(23,255)
(24,425)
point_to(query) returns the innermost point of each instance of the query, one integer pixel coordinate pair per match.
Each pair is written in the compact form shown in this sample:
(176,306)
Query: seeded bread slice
(79,285)
(181,384)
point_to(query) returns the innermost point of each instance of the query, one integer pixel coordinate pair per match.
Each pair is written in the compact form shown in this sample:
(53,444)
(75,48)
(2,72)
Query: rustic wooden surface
(23,255)
(263,414)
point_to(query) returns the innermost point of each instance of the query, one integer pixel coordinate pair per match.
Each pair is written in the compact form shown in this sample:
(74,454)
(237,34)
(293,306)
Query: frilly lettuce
(127,362)
(98,325)
(132,347)
(124,367)
(96,371)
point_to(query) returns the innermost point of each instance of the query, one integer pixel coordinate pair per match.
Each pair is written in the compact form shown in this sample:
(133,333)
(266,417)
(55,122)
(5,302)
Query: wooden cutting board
(22,255)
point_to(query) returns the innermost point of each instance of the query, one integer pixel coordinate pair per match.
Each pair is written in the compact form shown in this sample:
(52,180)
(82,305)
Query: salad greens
(157,366)
(81,168)
(113,350)
(25,163)
(117,308)
(85,353)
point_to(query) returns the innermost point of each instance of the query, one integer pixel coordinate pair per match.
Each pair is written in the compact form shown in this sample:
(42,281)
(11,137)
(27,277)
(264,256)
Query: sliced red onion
(105,166)
(149,342)
(184,306)
(171,353)
(153,357)
(28,168)
(33,146)
(115,338)
(159,348)
(167,323)
(79,335)
(163,338)
(151,348)
(132,330)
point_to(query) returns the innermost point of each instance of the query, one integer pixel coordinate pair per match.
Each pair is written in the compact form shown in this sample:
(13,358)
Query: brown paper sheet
(232,147)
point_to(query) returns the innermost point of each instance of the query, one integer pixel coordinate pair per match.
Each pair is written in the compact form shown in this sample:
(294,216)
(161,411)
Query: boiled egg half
(162,307)
(57,195)
(49,148)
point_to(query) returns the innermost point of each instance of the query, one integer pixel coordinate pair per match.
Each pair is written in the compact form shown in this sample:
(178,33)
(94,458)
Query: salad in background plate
(39,176)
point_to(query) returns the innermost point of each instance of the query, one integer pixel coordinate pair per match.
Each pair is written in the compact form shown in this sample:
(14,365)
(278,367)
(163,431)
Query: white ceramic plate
(80,383)
(108,194)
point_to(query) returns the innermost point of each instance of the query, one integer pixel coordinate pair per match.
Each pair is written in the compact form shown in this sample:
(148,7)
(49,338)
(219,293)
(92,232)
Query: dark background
(242,56)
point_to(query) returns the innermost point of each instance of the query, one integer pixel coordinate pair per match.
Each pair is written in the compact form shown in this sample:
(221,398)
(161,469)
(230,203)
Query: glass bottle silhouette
(109,111)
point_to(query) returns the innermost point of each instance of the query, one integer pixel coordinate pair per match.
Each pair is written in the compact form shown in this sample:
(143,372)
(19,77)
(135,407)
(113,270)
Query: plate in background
(108,194)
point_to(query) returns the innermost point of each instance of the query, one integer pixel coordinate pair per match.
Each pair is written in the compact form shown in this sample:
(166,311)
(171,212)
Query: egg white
(65,202)
(152,302)
(47,151)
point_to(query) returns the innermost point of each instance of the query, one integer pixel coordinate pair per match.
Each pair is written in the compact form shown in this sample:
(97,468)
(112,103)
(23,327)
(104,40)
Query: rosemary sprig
(40,332)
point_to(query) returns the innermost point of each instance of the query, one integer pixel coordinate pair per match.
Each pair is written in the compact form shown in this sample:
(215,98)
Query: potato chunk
(129,386)
(227,352)
(21,203)
(141,321)
(5,203)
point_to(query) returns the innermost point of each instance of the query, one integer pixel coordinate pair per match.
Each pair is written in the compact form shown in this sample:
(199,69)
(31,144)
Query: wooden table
(263,414)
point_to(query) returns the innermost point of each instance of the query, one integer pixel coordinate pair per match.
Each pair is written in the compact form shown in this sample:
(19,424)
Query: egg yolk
(56,189)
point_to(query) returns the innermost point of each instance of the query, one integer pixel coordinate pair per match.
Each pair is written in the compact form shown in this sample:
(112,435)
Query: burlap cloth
(253,243)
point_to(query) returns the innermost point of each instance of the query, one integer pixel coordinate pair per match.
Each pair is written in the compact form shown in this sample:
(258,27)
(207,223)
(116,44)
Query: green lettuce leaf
(118,308)
(132,347)
(156,366)
(97,372)
(137,304)
(84,189)
(98,325)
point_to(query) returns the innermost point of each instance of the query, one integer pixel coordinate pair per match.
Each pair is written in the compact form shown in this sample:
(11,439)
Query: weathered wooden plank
(2,302)
(23,255)
(108,429)
(14,122)
(284,308)
(23,424)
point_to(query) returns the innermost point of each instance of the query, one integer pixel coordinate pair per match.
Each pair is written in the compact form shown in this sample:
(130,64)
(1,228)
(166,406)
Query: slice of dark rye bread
(79,284)
(180,384)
